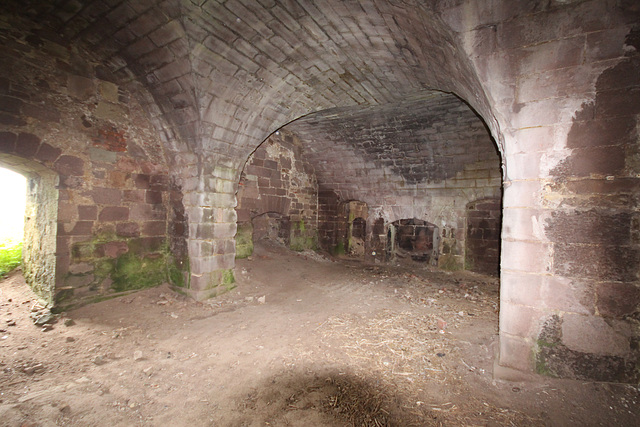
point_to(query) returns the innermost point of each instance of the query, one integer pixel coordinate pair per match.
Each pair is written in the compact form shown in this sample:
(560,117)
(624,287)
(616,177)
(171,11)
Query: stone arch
(277,179)
(40,227)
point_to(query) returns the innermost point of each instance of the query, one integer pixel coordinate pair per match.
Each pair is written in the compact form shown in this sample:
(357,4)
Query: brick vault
(504,134)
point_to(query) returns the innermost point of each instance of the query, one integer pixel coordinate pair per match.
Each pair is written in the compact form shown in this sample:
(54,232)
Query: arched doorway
(40,226)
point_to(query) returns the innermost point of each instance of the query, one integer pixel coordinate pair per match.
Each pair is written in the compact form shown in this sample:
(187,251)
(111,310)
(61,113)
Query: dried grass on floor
(396,345)
(408,352)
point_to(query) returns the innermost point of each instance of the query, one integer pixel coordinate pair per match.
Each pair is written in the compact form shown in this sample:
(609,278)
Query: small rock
(65,410)
(47,327)
(83,380)
(70,339)
(442,325)
(262,299)
(99,360)
(440,354)
(137,355)
(45,319)
(69,322)
(175,316)
(33,369)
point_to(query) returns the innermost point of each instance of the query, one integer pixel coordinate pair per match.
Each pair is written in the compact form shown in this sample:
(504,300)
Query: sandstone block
(114,213)
(47,153)
(27,144)
(128,229)
(106,196)
(80,87)
(153,197)
(154,228)
(69,165)
(7,142)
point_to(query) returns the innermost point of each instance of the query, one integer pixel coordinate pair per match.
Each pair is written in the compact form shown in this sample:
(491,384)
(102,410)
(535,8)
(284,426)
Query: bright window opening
(13,197)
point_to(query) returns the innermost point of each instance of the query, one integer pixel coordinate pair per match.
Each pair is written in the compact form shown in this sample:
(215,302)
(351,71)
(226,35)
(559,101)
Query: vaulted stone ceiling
(225,74)
(425,139)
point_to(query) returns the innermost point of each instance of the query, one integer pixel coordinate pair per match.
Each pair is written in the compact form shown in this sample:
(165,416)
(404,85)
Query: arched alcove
(414,239)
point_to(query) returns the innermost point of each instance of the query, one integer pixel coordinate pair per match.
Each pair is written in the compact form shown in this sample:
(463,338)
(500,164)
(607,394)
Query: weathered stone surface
(87,212)
(80,87)
(618,299)
(154,228)
(7,142)
(27,145)
(69,165)
(114,213)
(113,249)
(128,229)
(48,153)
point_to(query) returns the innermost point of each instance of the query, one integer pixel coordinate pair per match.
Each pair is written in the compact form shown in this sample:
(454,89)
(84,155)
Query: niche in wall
(413,239)
(482,253)
(272,227)
(356,213)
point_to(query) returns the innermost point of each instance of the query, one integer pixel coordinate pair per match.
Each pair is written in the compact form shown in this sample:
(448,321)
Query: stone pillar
(571,255)
(212,229)
(526,257)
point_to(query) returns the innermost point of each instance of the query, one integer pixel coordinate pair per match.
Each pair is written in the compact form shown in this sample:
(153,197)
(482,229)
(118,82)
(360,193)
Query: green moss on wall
(228,279)
(338,249)
(104,267)
(244,240)
(135,272)
(302,243)
(176,277)
(301,239)
(542,366)
(450,262)
(221,281)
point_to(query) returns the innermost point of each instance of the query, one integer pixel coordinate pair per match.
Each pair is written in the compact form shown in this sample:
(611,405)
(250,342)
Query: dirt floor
(301,341)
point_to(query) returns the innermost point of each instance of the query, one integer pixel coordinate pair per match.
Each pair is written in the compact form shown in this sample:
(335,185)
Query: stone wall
(278,179)
(105,179)
(484,219)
